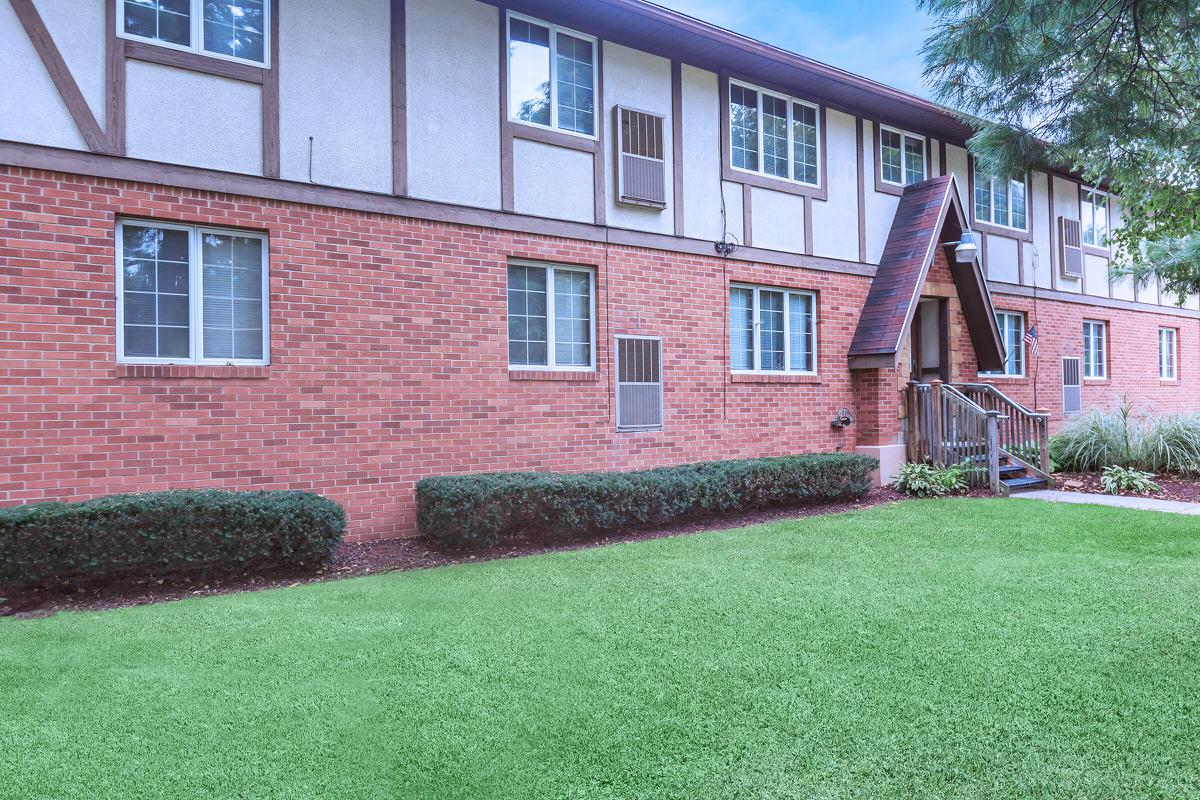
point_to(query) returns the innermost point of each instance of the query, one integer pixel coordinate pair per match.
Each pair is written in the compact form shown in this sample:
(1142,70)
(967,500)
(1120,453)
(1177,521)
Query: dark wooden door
(931,341)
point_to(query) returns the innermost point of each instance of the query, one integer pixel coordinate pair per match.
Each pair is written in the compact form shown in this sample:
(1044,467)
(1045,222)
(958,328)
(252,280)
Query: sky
(880,40)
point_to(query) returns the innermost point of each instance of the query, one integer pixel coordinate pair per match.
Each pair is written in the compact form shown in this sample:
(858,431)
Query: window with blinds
(641,159)
(639,383)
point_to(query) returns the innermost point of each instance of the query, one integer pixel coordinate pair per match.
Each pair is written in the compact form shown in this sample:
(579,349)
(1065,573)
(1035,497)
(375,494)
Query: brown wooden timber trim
(677,143)
(942,168)
(728,173)
(114,81)
(808,226)
(1052,226)
(536,133)
(60,74)
(507,182)
(270,101)
(747,215)
(999,287)
(76,162)
(862,190)
(399,99)
(195,62)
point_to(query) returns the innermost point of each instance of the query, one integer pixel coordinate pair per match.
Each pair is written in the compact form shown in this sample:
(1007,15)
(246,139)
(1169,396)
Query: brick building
(458,236)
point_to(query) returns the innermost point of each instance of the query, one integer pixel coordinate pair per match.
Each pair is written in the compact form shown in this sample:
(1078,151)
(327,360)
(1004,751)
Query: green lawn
(963,648)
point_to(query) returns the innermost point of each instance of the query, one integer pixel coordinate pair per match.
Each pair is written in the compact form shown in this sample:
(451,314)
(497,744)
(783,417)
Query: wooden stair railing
(1022,433)
(946,427)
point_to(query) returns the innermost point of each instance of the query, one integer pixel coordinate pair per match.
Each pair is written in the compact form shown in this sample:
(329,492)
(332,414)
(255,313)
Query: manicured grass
(962,648)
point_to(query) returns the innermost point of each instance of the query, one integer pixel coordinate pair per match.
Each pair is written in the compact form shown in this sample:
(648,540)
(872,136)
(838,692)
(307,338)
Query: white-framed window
(1095,349)
(1168,354)
(1093,215)
(1012,333)
(901,156)
(551,316)
(191,294)
(773,134)
(1001,201)
(772,330)
(235,30)
(551,76)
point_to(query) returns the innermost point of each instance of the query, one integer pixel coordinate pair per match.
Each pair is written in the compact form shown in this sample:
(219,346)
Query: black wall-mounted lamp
(843,419)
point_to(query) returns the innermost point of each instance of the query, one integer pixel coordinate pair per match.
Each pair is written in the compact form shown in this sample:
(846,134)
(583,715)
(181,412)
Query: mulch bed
(1179,489)
(393,555)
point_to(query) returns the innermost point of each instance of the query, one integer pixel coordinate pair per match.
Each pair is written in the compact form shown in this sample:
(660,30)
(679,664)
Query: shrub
(926,480)
(480,510)
(1119,480)
(1166,444)
(166,532)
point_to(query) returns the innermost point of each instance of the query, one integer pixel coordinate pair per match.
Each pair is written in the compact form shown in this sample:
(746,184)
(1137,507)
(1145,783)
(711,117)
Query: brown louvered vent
(639,383)
(641,167)
(1070,247)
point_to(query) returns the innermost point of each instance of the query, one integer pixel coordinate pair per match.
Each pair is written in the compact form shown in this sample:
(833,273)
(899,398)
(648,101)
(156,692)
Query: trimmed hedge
(480,510)
(166,532)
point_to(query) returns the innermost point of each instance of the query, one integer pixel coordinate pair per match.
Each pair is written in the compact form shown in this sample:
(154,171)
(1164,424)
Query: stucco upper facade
(408,99)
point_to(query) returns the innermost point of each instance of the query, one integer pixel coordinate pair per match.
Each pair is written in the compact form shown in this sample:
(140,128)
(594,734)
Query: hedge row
(481,510)
(166,532)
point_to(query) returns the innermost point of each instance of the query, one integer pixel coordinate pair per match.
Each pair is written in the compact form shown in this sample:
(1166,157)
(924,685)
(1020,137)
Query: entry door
(930,341)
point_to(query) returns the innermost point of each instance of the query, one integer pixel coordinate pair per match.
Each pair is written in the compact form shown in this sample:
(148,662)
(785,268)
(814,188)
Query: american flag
(1031,339)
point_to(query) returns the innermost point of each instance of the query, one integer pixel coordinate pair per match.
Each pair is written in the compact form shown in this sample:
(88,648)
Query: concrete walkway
(1117,501)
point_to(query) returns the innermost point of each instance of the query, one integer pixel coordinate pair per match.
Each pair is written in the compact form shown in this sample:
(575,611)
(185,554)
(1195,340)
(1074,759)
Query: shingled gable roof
(929,213)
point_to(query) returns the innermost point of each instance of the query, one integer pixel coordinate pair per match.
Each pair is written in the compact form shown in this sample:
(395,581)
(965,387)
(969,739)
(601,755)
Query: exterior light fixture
(965,249)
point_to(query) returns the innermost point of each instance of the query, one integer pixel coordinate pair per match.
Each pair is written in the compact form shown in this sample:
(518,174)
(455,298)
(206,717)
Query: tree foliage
(1110,88)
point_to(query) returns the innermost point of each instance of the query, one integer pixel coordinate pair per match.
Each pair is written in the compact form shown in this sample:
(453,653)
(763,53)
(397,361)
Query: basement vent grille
(641,165)
(639,383)
(1072,394)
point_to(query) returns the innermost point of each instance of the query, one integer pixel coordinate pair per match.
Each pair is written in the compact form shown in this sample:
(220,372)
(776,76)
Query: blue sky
(880,39)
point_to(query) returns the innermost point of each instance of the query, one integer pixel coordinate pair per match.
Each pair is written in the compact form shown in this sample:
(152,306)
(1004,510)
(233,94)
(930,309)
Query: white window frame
(1083,220)
(1004,373)
(791,145)
(1165,374)
(1007,224)
(551,355)
(597,119)
(1102,362)
(195,294)
(787,331)
(903,135)
(197,35)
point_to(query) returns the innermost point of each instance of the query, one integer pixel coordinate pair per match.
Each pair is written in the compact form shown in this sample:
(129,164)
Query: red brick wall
(389,359)
(1132,358)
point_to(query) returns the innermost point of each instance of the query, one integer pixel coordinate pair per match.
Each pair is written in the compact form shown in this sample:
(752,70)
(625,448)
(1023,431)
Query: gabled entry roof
(928,215)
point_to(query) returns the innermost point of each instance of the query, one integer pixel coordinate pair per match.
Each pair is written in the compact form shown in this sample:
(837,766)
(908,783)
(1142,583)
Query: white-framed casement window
(551,316)
(235,30)
(772,330)
(1012,333)
(1095,349)
(189,294)
(1093,215)
(774,135)
(901,157)
(1168,354)
(1001,201)
(551,76)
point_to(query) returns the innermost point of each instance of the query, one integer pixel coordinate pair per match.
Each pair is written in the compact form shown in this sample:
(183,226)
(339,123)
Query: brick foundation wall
(389,359)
